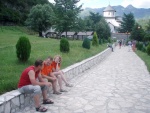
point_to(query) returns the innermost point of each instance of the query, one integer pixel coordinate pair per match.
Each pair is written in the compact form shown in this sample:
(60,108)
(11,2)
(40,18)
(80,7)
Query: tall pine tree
(127,23)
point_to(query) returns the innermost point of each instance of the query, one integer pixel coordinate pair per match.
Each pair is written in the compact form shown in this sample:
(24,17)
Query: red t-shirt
(24,79)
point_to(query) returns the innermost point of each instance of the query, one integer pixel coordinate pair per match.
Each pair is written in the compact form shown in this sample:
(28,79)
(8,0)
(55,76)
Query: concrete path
(119,84)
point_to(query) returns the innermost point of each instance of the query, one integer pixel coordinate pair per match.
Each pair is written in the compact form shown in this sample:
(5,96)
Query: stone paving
(119,84)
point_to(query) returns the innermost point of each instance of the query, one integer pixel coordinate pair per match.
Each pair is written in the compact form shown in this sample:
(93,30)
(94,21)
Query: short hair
(51,58)
(38,63)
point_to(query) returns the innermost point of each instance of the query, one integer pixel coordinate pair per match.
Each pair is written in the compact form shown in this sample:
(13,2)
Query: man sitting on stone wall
(29,85)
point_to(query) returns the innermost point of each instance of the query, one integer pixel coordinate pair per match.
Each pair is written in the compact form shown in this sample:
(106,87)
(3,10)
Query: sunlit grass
(41,48)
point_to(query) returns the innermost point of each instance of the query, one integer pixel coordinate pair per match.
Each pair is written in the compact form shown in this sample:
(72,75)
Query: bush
(139,46)
(23,48)
(95,40)
(100,41)
(64,45)
(86,43)
(143,49)
(148,49)
(109,40)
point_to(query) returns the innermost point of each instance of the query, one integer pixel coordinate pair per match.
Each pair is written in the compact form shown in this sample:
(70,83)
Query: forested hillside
(16,11)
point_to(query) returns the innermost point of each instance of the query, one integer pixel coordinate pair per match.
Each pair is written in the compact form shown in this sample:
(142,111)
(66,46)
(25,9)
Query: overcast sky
(105,3)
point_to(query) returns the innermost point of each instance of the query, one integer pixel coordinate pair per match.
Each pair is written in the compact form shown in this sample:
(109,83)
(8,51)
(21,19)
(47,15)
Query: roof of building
(109,8)
(85,33)
(69,33)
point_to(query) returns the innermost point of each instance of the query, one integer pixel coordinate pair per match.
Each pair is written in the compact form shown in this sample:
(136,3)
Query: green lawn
(11,68)
(145,57)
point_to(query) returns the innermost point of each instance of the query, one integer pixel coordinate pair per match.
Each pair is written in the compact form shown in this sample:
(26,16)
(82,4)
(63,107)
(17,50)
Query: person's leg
(44,94)
(61,75)
(54,83)
(36,90)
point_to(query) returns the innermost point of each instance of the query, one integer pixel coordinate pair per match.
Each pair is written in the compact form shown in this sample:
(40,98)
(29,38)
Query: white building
(110,16)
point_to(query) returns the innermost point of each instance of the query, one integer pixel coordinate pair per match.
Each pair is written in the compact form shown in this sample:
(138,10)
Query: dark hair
(38,62)
(51,58)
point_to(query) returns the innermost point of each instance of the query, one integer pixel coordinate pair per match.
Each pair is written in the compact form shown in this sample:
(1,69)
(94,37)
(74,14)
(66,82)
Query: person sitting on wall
(29,85)
(58,73)
(47,73)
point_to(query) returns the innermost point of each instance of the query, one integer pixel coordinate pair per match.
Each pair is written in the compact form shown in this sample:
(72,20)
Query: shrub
(86,43)
(100,41)
(148,49)
(23,48)
(109,40)
(95,40)
(64,45)
(139,46)
(143,49)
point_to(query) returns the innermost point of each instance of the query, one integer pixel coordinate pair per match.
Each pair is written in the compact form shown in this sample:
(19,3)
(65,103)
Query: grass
(41,48)
(145,57)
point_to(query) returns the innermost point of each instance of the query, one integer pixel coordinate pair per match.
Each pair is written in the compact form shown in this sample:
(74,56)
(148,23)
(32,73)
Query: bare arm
(31,74)
(57,67)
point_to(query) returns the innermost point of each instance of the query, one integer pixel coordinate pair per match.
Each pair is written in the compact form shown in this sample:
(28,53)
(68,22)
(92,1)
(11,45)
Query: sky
(105,3)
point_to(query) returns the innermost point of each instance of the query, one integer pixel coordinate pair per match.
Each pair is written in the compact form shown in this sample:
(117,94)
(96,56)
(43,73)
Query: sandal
(41,109)
(48,101)
(57,93)
(69,85)
(62,90)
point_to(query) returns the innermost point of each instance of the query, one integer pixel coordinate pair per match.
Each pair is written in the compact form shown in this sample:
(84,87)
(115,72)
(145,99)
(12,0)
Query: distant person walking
(120,44)
(133,45)
(129,45)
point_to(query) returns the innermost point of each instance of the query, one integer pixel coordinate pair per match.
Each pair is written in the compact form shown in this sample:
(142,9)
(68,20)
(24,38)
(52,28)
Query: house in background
(70,35)
(113,21)
(82,35)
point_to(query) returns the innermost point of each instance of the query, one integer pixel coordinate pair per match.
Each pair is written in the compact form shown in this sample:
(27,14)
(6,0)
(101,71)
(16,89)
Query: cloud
(136,3)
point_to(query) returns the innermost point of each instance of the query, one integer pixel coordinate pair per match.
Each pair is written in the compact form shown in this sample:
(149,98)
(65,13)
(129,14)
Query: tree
(95,41)
(102,29)
(95,17)
(127,23)
(15,12)
(137,33)
(23,48)
(41,18)
(148,26)
(67,13)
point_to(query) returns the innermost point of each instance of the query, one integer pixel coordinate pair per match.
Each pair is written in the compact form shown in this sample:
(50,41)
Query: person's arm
(31,74)
(45,76)
(40,78)
(57,67)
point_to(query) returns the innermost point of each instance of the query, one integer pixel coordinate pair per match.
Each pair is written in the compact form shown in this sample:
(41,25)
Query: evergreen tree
(137,33)
(148,26)
(102,29)
(41,18)
(16,12)
(127,23)
(95,41)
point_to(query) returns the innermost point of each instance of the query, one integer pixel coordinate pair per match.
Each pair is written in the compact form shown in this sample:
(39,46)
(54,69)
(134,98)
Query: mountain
(120,10)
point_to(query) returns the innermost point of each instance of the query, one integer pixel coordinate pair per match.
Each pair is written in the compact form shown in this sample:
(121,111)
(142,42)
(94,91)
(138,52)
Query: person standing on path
(120,44)
(28,84)
(129,45)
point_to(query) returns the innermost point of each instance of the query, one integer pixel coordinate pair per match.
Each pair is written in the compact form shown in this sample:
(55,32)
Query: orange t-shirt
(46,69)
(54,64)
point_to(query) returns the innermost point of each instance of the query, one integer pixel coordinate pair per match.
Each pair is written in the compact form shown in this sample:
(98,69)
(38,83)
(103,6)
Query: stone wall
(13,101)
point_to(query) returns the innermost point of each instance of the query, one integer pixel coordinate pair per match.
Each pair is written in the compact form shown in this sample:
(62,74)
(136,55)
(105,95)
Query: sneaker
(62,90)
(69,85)
(57,93)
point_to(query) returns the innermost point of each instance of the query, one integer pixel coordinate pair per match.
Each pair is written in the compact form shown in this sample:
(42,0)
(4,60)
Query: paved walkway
(119,84)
